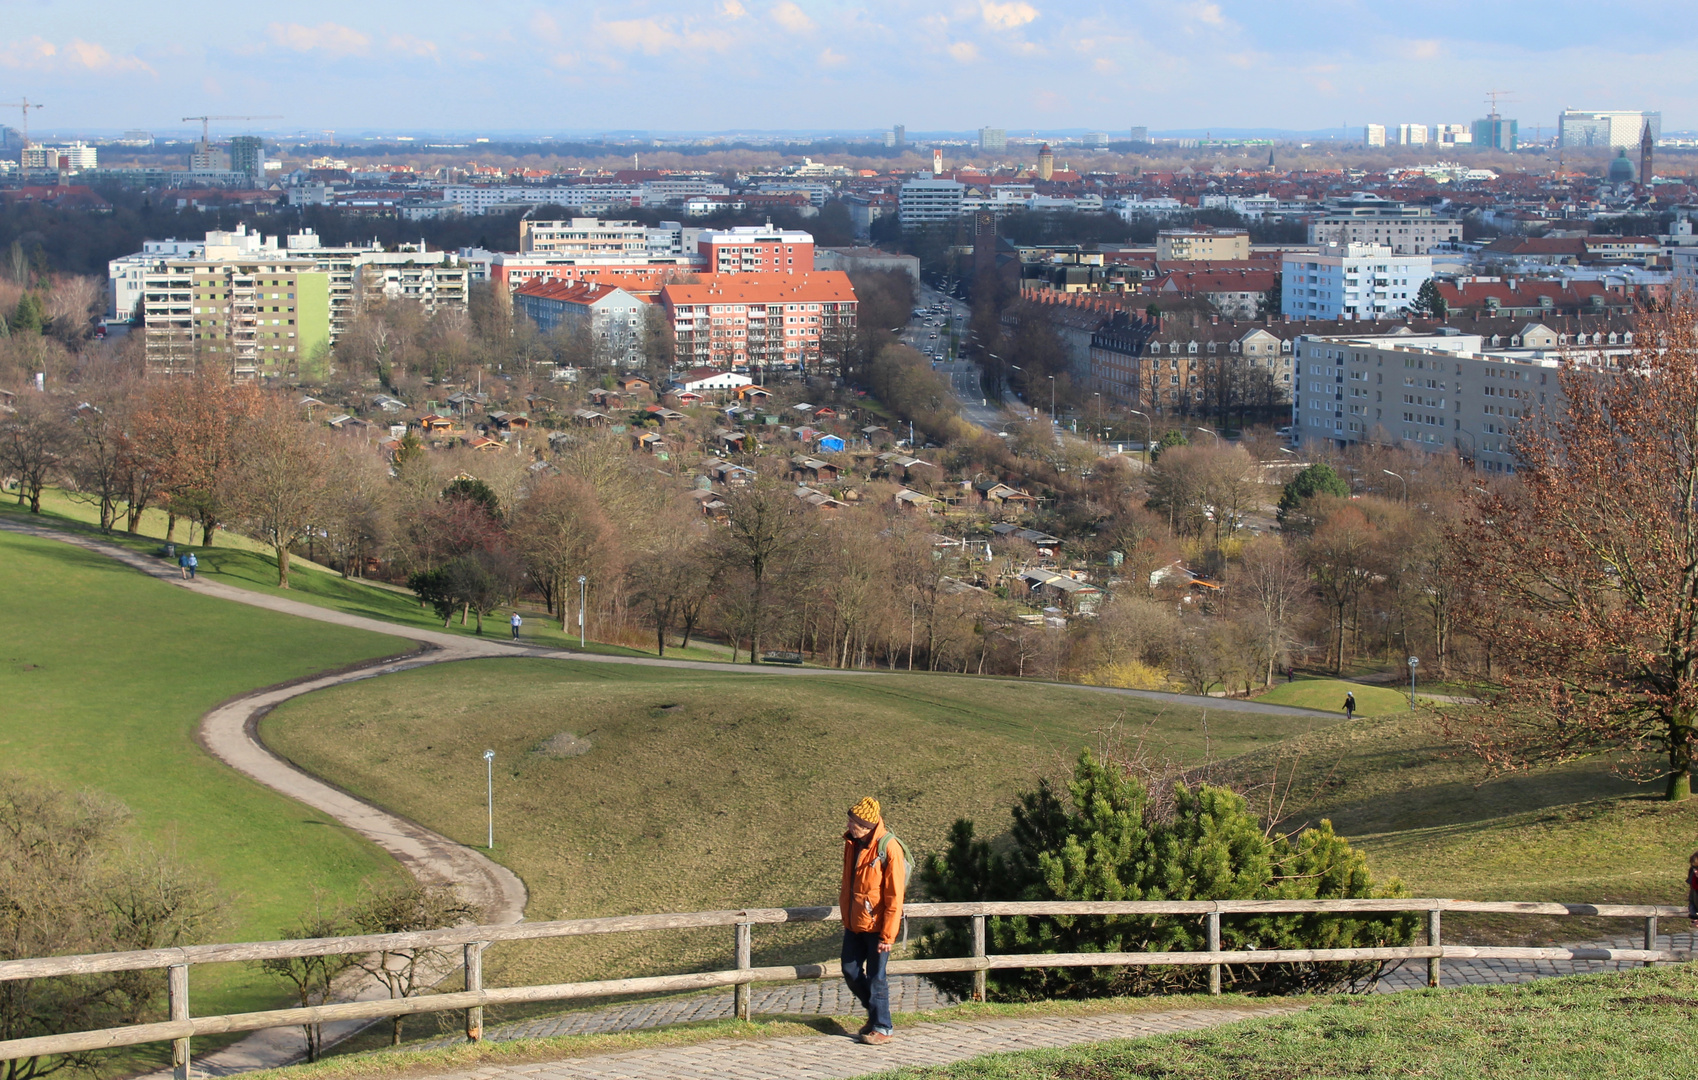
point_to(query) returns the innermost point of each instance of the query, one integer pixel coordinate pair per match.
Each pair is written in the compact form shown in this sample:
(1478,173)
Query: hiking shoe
(869,1027)
(875,1038)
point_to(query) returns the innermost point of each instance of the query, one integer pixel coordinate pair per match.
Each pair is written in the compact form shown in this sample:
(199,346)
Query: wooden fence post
(177,998)
(1213,925)
(1434,940)
(474,981)
(742,991)
(979,975)
(1650,937)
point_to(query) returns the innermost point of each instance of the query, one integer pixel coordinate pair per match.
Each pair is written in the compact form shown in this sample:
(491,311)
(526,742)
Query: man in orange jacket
(871,902)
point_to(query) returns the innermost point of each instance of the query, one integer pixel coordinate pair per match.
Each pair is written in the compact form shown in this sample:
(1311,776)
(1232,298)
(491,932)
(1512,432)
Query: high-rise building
(993,139)
(1495,133)
(1098,139)
(1374,135)
(1606,130)
(247,155)
(1351,281)
(77,155)
(922,202)
(1140,134)
(1452,135)
(1412,134)
(899,136)
(890,138)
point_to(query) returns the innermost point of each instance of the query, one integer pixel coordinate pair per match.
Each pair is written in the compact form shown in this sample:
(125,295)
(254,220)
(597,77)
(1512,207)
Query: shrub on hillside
(1109,840)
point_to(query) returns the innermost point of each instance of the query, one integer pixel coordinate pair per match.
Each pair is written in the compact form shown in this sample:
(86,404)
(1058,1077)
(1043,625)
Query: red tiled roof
(819,285)
(572,292)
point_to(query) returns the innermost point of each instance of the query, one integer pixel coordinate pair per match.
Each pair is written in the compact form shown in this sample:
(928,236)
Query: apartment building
(488,198)
(927,202)
(614,317)
(755,249)
(254,317)
(1443,392)
(1607,129)
(993,140)
(1351,281)
(1374,135)
(583,237)
(1412,134)
(1214,245)
(1368,219)
(761,320)
(245,299)
(75,156)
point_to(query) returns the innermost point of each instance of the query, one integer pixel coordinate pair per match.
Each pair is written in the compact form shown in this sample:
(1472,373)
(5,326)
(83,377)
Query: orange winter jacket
(871,897)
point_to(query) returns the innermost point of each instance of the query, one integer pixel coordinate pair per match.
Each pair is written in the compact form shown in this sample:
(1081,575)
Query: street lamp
(1148,432)
(1405,484)
(1209,431)
(582,583)
(1051,379)
(1414,662)
(1098,405)
(489,782)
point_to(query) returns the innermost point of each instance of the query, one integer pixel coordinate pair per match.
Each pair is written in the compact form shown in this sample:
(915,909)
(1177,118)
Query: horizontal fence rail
(474,939)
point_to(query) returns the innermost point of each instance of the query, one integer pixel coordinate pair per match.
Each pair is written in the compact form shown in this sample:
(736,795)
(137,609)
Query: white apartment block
(485,198)
(1442,393)
(1453,134)
(1407,230)
(923,202)
(1412,134)
(1606,130)
(127,274)
(1374,135)
(583,237)
(77,155)
(1351,281)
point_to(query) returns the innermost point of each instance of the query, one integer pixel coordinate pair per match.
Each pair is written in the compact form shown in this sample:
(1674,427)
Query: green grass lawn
(705,789)
(239,561)
(104,675)
(1327,695)
(1629,1025)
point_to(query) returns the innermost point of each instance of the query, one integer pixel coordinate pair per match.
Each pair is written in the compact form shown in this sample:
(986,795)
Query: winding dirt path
(230,733)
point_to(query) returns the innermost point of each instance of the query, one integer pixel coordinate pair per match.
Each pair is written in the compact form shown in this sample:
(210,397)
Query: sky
(668,66)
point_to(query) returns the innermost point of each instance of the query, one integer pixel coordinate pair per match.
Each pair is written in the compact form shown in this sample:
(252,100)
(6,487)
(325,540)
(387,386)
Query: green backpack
(907,859)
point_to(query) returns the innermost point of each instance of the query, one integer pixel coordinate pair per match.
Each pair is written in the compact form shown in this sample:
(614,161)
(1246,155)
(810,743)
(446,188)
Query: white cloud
(36,53)
(648,35)
(830,57)
(327,37)
(792,18)
(1208,13)
(731,9)
(407,43)
(1007,16)
(964,51)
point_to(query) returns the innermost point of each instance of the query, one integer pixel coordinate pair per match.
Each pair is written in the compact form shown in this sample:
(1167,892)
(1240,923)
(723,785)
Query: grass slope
(239,561)
(703,789)
(1627,1025)
(104,674)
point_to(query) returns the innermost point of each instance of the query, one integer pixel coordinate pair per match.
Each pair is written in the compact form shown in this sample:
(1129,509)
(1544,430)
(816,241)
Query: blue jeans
(864,971)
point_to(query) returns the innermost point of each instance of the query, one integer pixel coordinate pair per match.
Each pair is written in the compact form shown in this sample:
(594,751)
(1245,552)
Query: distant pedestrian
(1692,888)
(1350,705)
(183,566)
(875,875)
(515,622)
(194,564)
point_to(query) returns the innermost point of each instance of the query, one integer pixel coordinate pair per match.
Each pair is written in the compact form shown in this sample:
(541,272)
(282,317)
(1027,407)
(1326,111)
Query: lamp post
(1051,379)
(489,784)
(582,584)
(1210,431)
(1149,430)
(1414,662)
(1097,403)
(1405,484)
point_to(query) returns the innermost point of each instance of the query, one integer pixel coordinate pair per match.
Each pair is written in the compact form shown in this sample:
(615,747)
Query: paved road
(826,1056)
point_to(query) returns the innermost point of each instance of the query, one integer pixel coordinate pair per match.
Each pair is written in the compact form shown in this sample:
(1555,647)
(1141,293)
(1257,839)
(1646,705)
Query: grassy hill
(1327,695)
(104,675)
(705,789)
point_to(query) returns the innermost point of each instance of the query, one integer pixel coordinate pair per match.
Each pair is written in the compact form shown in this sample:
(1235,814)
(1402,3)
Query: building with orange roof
(736,321)
(614,317)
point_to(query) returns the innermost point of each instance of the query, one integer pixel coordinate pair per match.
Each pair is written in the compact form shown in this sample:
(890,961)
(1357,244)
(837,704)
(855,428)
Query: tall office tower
(993,139)
(247,155)
(1412,134)
(1374,135)
(1495,133)
(1606,130)
(1140,134)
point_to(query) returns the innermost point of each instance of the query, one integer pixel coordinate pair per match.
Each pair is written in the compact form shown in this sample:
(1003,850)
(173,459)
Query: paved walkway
(822,1056)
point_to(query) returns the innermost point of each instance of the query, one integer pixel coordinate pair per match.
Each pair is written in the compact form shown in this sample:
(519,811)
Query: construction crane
(206,122)
(1494,96)
(23,106)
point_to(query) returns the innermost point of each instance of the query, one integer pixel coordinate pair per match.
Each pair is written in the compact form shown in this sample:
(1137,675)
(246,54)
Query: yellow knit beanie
(867,810)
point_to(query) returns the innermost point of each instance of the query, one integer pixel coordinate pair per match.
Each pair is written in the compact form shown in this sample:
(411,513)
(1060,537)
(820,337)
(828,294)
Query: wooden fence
(472,940)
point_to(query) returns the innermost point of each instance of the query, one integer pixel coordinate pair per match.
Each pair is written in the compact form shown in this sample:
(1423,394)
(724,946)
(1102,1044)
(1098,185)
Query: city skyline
(825,65)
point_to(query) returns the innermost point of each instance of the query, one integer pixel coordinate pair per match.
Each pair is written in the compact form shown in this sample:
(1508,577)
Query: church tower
(1646,144)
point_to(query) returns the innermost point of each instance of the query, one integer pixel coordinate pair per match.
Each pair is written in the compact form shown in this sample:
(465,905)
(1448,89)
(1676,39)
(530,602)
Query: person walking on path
(1350,704)
(183,566)
(194,564)
(516,622)
(875,874)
